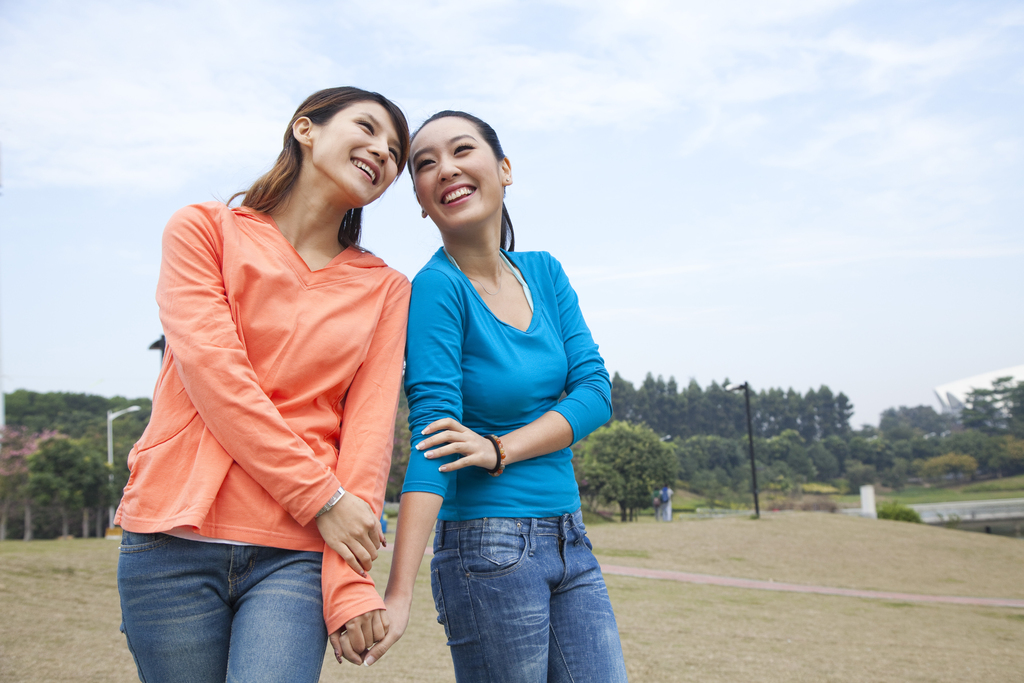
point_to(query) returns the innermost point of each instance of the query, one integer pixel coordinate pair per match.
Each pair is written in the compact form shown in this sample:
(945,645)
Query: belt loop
(570,525)
(440,534)
(533,526)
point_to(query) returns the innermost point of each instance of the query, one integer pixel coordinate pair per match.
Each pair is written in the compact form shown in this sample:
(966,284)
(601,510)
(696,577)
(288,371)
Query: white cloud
(146,94)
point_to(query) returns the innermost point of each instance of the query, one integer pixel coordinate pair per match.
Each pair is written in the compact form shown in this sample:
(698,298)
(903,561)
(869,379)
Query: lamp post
(111,416)
(750,440)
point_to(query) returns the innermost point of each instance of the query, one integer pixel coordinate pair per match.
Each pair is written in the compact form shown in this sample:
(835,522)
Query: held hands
(352,530)
(471,448)
(398,609)
(355,639)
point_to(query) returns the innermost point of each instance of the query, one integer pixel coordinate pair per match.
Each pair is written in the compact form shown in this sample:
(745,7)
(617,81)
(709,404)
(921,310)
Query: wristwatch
(333,501)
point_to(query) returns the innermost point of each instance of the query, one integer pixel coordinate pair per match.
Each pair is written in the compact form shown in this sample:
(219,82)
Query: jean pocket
(132,542)
(500,547)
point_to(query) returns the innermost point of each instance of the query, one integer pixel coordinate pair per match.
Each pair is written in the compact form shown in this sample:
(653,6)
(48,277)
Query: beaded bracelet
(499,451)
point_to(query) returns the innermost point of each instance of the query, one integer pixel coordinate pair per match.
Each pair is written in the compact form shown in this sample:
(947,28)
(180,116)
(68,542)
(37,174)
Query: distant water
(1013,528)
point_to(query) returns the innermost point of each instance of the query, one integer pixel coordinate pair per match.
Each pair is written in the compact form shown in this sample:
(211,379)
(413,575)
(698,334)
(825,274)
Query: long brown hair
(272,188)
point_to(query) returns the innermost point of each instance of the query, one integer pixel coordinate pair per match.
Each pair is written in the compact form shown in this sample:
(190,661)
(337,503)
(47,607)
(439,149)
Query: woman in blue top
(502,376)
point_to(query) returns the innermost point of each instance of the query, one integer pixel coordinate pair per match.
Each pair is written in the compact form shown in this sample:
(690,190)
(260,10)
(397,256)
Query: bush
(950,464)
(899,513)
(817,487)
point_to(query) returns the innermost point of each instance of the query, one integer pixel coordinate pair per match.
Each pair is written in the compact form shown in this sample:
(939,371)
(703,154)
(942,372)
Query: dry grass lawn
(60,608)
(823,549)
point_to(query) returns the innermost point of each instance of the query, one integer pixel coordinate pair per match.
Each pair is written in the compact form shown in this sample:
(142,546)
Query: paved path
(730,582)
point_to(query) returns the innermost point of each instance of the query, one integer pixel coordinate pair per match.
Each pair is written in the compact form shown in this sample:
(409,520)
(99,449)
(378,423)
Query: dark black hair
(508,237)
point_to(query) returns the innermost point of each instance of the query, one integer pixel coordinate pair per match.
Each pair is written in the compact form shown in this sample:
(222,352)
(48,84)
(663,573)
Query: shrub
(816,487)
(899,513)
(955,464)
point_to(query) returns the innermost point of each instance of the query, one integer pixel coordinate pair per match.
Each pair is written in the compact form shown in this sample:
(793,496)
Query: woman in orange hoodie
(251,514)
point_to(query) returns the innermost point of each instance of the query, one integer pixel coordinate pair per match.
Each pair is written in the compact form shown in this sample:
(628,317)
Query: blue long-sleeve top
(464,363)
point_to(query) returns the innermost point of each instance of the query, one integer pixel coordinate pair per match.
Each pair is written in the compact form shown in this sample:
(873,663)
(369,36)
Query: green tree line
(805,438)
(53,470)
(53,462)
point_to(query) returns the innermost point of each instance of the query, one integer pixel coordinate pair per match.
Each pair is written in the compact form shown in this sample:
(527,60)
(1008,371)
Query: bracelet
(499,451)
(333,501)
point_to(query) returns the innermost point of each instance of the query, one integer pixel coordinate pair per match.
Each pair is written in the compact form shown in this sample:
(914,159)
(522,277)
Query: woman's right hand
(352,530)
(398,616)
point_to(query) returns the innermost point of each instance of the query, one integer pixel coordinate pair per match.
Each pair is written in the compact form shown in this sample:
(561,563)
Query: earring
(423,212)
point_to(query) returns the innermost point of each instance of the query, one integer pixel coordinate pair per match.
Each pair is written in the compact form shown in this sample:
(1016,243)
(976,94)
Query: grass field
(60,608)
(1008,487)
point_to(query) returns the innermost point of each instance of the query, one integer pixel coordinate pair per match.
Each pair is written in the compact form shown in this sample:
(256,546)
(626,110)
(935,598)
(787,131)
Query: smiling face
(354,155)
(458,181)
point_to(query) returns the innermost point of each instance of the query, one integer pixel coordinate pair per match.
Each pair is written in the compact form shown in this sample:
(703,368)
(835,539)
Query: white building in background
(953,395)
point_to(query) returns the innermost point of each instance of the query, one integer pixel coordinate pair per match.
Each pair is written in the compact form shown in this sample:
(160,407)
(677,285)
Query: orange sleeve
(364,461)
(214,367)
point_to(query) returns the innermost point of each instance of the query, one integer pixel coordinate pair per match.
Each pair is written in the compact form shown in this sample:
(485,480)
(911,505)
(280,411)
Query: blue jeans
(203,612)
(524,601)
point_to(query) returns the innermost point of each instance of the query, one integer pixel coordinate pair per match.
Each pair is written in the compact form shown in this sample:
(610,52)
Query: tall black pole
(750,440)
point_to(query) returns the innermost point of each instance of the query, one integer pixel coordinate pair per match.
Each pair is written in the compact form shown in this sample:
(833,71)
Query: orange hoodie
(278,384)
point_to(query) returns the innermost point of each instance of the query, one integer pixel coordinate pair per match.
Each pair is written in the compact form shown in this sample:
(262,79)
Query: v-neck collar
(520,277)
(337,267)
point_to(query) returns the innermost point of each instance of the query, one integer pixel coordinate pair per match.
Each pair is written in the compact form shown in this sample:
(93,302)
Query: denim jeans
(524,601)
(204,612)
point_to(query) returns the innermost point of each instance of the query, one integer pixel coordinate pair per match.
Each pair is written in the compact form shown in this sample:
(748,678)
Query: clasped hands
(451,438)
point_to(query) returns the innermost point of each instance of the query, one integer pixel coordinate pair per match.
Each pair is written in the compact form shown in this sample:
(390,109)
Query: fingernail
(424,431)
(429,454)
(368,661)
(442,468)
(365,664)
(384,542)
(419,446)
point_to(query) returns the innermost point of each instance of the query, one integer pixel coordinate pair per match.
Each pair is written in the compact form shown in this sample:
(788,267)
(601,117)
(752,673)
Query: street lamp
(750,439)
(111,416)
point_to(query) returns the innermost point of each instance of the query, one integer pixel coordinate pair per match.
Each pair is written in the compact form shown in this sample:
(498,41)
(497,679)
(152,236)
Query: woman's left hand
(454,439)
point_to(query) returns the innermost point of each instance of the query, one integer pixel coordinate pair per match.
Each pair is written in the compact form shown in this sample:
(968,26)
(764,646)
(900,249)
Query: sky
(792,193)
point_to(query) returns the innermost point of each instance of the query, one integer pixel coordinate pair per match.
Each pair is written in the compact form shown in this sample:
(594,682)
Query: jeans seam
(128,640)
(472,607)
(235,579)
(558,648)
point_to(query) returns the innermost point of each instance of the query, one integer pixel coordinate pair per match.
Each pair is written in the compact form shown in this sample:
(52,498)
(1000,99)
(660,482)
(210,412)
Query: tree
(984,448)
(712,464)
(896,476)
(623,399)
(788,447)
(625,462)
(82,416)
(906,423)
(989,410)
(61,471)
(858,474)
(1010,459)
(1015,407)
(824,461)
(16,444)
